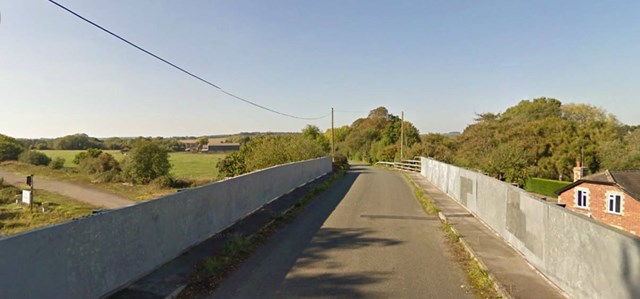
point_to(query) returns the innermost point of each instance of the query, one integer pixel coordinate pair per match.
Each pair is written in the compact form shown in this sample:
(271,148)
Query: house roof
(627,180)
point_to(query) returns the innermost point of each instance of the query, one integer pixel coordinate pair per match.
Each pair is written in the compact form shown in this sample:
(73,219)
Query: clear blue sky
(438,61)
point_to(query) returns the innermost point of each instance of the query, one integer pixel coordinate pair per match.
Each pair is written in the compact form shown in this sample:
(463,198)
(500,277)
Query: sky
(439,62)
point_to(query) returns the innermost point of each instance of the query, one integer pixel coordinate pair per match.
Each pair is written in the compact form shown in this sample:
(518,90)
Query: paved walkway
(509,267)
(89,195)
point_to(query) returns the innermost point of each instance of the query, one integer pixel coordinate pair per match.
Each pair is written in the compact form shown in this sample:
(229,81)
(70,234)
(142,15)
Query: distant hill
(452,134)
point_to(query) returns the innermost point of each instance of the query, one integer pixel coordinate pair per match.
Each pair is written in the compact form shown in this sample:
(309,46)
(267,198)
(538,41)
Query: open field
(16,218)
(185,165)
(133,192)
(195,165)
(200,168)
(68,155)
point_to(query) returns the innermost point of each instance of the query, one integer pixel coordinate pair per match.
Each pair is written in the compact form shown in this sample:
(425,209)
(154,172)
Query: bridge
(366,236)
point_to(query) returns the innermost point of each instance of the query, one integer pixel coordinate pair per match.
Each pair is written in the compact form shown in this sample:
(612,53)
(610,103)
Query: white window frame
(608,205)
(586,193)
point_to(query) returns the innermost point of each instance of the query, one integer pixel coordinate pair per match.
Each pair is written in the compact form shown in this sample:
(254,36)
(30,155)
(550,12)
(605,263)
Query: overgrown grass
(17,218)
(425,201)
(483,285)
(478,278)
(545,186)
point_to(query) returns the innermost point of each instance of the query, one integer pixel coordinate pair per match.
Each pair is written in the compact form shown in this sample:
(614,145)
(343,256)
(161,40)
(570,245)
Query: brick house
(611,197)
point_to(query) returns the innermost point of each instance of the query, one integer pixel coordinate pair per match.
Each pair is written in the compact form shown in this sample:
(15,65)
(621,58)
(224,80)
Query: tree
(312,132)
(101,163)
(115,143)
(90,153)
(77,142)
(57,163)
(35,158)
(203,142)
(371,139)
(145,162)
(269,150)
(10,148)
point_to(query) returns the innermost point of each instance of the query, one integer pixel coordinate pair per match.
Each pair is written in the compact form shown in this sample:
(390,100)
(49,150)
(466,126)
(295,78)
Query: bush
(102,163)
(35,158)
(163,181)
(109,176)
(8,193)
(169,181)
(231,165)
(340,162)
(91,153)
(146,161)
(57,163)
(10,149)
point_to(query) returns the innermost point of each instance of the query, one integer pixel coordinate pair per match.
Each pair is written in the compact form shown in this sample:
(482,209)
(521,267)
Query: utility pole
(402,137)
(333,138)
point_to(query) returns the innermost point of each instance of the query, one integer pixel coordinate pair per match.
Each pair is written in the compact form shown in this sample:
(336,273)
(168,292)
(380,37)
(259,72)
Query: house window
(582,198)
(614,203)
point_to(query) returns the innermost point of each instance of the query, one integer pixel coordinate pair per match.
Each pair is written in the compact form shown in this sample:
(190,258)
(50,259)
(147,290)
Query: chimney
(579,171)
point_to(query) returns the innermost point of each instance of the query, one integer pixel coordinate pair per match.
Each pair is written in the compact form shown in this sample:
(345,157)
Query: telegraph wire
(182,69)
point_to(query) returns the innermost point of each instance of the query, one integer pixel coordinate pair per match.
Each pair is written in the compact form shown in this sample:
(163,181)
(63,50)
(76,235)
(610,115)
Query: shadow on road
(264,274)
(328,285)
(317,256)
(329,239)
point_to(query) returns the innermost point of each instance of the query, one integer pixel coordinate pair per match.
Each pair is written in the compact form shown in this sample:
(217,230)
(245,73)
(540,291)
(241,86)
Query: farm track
(86,194)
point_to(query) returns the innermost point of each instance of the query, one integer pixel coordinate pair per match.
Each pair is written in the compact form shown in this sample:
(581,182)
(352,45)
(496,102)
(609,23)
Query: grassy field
(16,218)
(195,165)
(200,168)
(544,186)
(68,155)
(185,165)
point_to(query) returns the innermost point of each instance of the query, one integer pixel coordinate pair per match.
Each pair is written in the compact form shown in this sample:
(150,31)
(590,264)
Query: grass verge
(211,272)
(426,202)
(482,284)
(16,218)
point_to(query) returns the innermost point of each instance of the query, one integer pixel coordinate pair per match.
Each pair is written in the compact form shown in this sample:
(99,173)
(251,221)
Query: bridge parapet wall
(92,256)
(585,258)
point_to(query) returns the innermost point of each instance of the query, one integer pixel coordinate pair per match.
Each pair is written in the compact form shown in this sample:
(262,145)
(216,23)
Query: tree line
(541,137)
(82,141)
(538,138)
(535,138)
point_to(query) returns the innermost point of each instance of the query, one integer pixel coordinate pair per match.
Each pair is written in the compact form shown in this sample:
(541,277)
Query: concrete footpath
(515,277)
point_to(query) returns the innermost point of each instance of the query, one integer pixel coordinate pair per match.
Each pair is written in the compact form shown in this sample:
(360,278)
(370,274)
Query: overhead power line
(182,69)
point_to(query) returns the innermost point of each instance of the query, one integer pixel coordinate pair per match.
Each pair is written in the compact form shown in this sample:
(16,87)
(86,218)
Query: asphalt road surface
(89,195)
(366,237)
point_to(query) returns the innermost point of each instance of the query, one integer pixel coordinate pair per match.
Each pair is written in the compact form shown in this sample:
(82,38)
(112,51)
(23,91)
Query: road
(89,195)
(365,237)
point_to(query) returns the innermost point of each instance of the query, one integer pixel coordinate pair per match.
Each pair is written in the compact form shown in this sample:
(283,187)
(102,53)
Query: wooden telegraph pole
(402,137)
(333,139)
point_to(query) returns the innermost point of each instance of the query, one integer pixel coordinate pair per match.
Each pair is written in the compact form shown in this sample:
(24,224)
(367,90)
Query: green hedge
(544,186)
